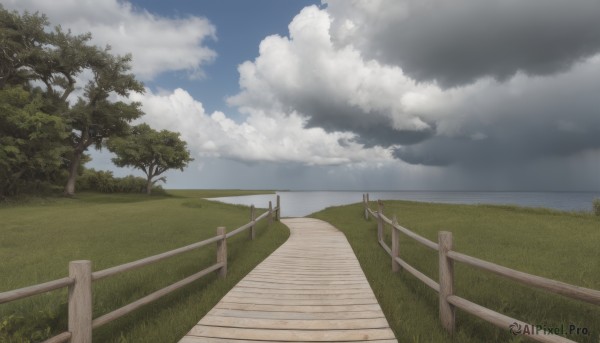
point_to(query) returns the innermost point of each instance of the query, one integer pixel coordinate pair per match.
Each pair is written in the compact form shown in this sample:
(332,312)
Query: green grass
(558,245)
(38,240)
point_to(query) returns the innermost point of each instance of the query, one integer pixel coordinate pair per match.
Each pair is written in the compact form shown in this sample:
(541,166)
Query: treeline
(58,98)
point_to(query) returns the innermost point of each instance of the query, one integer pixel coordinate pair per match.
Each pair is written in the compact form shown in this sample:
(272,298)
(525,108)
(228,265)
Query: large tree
(153,152)
(33,132)
(55,63)
(96,116)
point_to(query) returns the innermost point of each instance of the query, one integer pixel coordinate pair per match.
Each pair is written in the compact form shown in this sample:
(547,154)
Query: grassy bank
(558,245)
(40,238)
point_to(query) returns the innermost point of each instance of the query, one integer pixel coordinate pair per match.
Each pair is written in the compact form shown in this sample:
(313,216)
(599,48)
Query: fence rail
(448,301)
(79,281)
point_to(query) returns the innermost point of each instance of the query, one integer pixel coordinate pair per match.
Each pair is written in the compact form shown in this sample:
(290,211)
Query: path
(311,289)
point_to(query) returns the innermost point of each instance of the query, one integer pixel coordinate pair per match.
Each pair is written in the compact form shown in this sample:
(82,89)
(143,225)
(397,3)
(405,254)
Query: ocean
(303,203)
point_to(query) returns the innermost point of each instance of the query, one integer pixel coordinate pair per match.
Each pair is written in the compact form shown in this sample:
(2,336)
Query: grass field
(39,238)
(558,245)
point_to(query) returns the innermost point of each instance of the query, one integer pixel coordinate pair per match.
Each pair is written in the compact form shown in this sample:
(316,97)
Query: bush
(105,182)
(130,184)
(596,206)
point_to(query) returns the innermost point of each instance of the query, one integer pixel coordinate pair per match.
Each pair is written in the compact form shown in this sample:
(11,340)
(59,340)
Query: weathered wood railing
(448,301)
(79,281)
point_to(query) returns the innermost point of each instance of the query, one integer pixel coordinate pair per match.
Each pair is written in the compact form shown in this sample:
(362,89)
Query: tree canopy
(31,141)
(57,93)
(153,152)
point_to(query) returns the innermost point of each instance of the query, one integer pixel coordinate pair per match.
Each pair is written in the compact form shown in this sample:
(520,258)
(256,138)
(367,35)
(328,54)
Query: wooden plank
(298,302)
(300,324)
(296,315)
(307,282)
(302,264)
(317,308)
(292,335)
(296,273)
(269,285)
(274,295)
(304,291)
(320,261)
(308,275)
(312,269)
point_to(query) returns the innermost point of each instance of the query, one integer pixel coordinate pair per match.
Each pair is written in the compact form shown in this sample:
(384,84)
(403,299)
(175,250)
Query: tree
(52,63)
(32,132)
(151,151)
(95,116)
(31,141)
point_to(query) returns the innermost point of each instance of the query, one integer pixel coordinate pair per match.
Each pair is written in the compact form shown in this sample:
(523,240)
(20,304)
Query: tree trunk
(149,186)
(73,168)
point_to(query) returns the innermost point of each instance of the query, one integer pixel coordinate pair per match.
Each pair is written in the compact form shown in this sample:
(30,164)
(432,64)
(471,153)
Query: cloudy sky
(356,95)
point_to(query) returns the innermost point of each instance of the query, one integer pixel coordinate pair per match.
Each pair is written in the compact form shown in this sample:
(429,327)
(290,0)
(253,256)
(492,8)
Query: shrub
(131,184)
(105,182)
(596,206)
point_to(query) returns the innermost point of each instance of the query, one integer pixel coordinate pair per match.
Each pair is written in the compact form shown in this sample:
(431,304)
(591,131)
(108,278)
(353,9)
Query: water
(300,204)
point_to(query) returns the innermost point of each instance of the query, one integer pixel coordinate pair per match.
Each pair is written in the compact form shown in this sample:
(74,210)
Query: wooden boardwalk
(311,289)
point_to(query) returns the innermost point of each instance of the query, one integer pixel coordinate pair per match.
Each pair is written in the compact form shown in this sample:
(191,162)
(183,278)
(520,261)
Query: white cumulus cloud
(262,137)
(158,44)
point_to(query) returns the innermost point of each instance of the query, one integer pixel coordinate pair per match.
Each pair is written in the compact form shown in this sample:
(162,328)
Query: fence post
(278,212)
(395,245)
(367,204)
(80,301)
(379,221)
(252,217)
(222,251)
(270,213)
(446,265)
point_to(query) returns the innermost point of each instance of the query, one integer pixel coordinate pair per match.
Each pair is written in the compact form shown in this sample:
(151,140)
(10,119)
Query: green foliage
(95,116)
(34,328)
(48,63)
(557,245)
(105,182)
(151,151)
(113,229)
(31,141)
(596,206)
(22,40)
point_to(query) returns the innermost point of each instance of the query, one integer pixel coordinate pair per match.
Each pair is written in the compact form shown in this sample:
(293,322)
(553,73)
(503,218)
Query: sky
(361,95)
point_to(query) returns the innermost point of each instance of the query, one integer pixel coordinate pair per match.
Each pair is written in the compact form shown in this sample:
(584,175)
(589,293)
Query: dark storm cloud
(550,117)
(457,42)
(373,128)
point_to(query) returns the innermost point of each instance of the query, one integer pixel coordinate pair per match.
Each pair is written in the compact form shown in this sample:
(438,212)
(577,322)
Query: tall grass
(39,239)
(596,206)
(558,245)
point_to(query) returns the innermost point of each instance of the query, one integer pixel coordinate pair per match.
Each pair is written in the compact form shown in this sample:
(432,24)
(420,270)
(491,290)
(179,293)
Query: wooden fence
(448,301)
(79,281)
